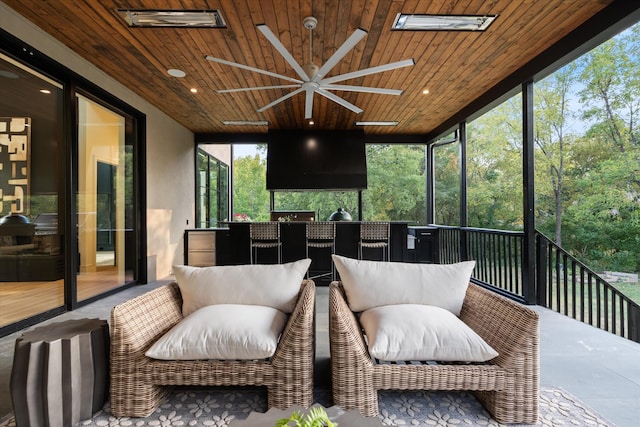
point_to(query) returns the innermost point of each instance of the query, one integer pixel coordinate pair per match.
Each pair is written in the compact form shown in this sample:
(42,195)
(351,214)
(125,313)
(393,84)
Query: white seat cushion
(422,332)
(369,284)
(274,285)
(222,331)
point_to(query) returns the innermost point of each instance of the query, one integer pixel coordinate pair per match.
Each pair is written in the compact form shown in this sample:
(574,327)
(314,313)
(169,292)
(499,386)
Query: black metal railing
(563,283)
(567,286)
(498,255)
(449,244)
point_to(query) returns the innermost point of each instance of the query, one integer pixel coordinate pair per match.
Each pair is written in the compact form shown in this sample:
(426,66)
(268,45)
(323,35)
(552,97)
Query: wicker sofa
(139,384)
(507,385)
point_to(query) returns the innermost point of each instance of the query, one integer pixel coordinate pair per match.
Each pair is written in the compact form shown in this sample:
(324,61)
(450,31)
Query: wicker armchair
(507,385)
(140,384)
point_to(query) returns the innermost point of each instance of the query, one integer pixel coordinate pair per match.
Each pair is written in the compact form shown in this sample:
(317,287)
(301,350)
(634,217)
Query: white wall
(170,151)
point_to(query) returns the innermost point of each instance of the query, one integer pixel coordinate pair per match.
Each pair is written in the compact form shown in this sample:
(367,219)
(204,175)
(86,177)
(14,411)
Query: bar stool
(374,235)
(264,235)
(321,235)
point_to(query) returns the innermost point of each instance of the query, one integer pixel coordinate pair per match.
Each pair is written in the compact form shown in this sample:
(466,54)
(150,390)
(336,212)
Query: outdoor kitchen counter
(233,245)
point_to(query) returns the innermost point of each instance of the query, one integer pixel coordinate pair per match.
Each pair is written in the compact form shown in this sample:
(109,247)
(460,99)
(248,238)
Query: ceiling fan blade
(255,70)
(338,100)
(279,100)
(363,89)
(246,89)
(283,51)
(308,105)
(367,71)
(340,53)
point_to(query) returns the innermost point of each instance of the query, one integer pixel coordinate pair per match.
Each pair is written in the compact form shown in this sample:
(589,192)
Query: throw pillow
(371,284)
(224,332)
(275,285)
(422,332)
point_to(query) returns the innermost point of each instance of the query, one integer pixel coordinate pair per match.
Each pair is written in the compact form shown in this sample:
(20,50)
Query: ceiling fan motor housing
(311,70)
(310,22)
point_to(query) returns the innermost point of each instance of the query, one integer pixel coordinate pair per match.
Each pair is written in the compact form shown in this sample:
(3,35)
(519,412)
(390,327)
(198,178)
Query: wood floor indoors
(20,300)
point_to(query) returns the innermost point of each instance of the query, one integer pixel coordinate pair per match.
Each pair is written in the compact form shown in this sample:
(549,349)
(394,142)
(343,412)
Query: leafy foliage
(317,417)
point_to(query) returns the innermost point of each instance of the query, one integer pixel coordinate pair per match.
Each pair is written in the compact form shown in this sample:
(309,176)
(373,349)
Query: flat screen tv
(316,160)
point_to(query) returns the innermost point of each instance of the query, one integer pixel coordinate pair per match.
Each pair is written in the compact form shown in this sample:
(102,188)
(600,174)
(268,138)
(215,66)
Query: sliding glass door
(104,201)
(32,234)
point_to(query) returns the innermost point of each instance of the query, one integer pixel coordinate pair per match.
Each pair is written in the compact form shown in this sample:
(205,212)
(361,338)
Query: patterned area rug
(219,407)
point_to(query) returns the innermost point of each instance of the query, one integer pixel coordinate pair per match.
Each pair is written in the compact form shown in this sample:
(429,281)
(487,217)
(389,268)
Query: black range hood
(299,160)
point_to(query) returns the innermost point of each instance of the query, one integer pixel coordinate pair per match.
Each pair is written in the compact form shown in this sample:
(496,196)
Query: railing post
(529,244)
(542,247)
(633,323)
(464,213)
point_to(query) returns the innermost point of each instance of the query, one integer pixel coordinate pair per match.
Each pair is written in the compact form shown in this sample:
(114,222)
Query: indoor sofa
(506,383)
(140,383)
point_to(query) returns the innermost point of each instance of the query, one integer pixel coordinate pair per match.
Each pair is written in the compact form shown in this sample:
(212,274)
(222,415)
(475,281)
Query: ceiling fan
(312,78)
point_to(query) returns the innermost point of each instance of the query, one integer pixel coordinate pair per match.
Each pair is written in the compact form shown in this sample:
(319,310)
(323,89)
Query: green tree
(250,196)
(605,210)
(552,116)
(396,183)
(447,184)
(494,167)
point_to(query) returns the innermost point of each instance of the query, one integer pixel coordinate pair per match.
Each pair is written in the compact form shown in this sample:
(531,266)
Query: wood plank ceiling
(456,67)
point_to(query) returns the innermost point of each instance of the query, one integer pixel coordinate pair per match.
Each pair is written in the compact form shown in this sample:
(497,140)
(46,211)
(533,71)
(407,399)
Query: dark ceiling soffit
(230,138)
(609,21)
(259,138)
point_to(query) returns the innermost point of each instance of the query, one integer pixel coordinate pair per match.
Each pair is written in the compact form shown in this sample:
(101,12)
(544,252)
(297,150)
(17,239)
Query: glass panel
(494,167)
(224,193)
(201,190)
(213,191)
(212,188)
(396,183)
(202,207)
(104,186)
(31,182)
(587,154)
(250,197)
(447,184)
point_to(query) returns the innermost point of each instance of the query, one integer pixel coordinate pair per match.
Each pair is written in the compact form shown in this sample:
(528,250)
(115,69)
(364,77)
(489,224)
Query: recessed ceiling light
(45,91)
(176,73)
(378,123)
(425,92)
(194,90)
(245,123)
(443,22)
(173,18)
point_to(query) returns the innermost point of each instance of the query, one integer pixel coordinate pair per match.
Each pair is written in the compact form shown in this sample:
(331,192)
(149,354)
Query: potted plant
(317,417)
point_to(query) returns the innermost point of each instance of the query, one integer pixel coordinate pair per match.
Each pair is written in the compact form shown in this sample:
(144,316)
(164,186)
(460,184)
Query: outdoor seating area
(507,386)
(591,364)
(500,363)
(218,347)
(180,343)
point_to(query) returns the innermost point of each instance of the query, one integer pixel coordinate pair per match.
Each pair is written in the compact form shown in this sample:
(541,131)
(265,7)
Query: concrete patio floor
(600,369)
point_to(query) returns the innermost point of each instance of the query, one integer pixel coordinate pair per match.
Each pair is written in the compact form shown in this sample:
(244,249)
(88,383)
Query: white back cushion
(371,284)
(224,332)
(274,285)
(422,332)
